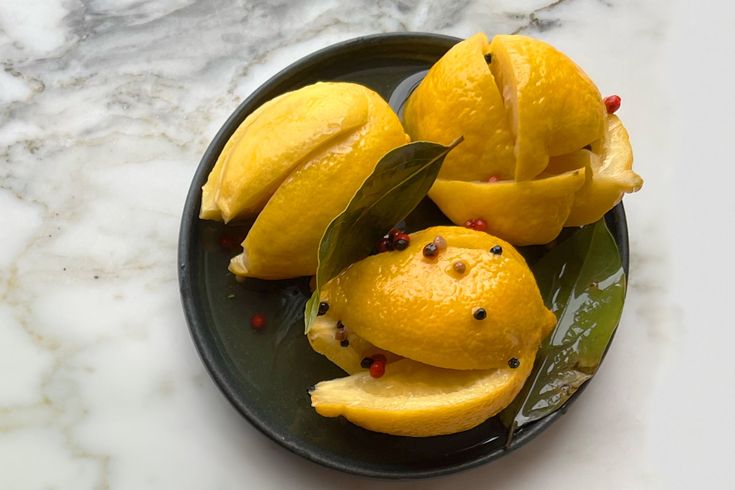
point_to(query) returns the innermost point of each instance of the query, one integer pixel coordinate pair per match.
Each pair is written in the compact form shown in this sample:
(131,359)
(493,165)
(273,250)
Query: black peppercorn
(514,363)
(400,244)
(496,250)
(366,362)
(479,314)
(323,308)
(344,343)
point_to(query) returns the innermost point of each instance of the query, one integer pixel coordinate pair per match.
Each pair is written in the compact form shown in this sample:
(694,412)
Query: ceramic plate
(266,373)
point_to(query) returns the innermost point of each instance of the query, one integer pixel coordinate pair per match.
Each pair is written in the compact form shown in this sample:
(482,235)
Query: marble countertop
(105,109)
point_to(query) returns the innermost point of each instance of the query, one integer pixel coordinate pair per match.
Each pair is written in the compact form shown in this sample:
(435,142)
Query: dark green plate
(266,373)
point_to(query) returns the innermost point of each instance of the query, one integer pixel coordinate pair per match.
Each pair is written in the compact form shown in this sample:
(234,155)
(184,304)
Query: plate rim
(193,309)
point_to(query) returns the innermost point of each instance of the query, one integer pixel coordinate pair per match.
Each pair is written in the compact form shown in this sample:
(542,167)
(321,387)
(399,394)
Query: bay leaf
(582,281)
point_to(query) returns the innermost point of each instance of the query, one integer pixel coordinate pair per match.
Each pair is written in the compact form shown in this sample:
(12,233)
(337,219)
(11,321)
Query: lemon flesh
(417,400)
(554,107)
(283,242)
(611,177)
(276,139)
(322,337)
(459,97)
(524,213)
(422,309)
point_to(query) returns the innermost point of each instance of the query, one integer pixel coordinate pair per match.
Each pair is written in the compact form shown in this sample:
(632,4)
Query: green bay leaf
(582,281)
(395,187)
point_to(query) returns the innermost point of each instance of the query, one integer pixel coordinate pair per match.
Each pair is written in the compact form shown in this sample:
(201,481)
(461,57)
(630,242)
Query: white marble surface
(105,109)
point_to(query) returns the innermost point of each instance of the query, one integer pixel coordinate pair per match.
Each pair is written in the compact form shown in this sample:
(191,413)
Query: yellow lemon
(459,97)
(283,241)
(277,138)
(414,399)
(427,309)
(554,107)
(611,176)
(524,213)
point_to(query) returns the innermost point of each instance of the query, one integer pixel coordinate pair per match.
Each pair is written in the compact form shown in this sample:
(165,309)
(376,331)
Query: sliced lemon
(459,97)
(284,239)
(524,213)
(611,177)
(276,139)
(413,399)
(323,337)
(554,106)
(422,308)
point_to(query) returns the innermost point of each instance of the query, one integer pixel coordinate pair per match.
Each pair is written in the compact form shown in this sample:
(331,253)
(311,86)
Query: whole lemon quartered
(297,161)
(529,114)
(459,341)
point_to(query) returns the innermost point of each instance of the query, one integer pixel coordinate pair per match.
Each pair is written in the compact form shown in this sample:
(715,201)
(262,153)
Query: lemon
(459,97)
(524,213)
(448,368)
(423,309)
(276,139)
(611,176)
(554,107)
(414,399)
(284,239)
